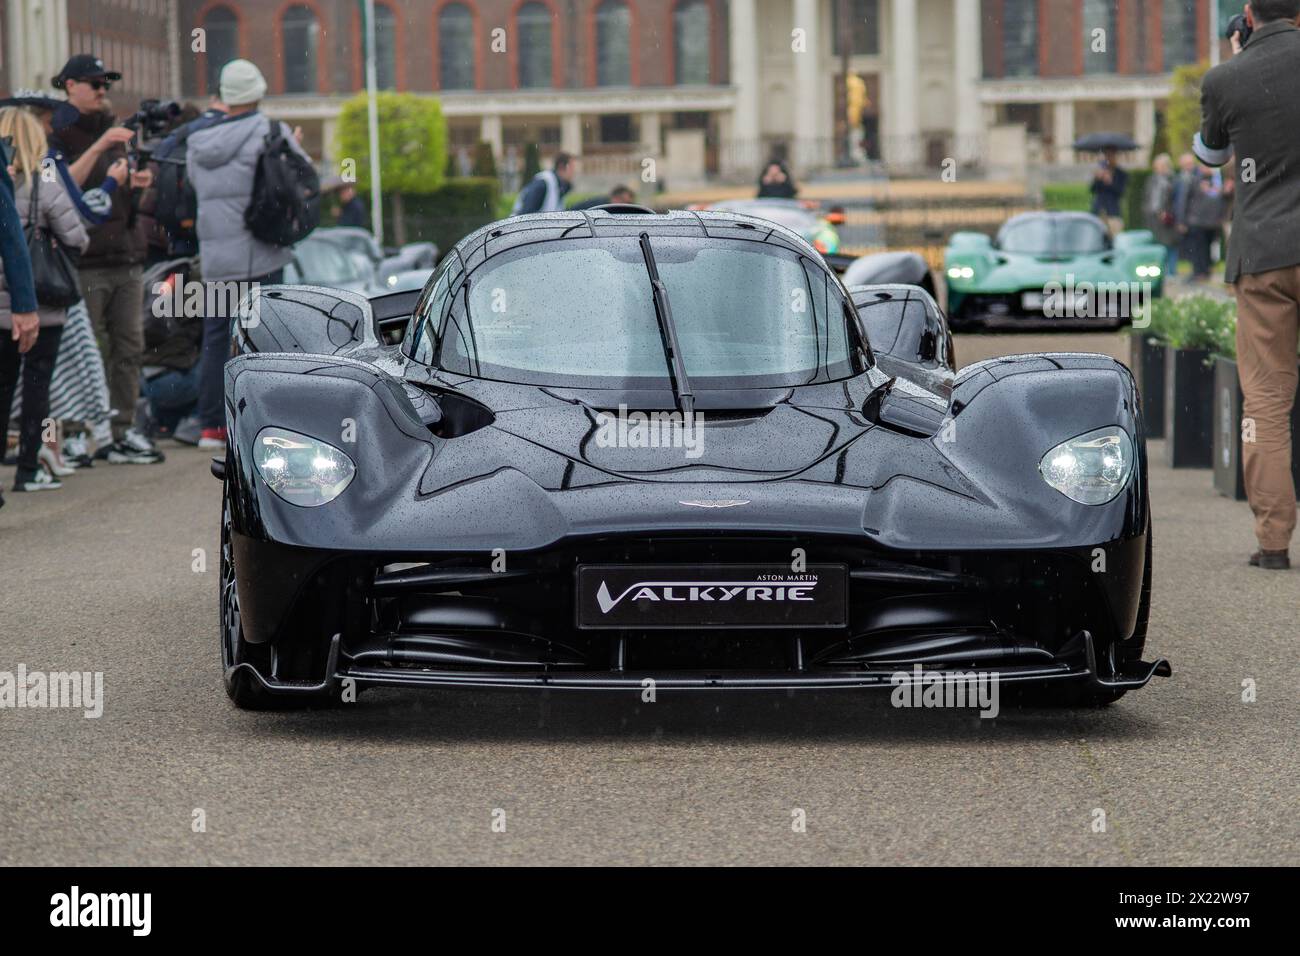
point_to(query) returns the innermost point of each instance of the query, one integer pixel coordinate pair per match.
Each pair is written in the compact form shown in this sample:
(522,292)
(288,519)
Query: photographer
(110,268)
(1250,105)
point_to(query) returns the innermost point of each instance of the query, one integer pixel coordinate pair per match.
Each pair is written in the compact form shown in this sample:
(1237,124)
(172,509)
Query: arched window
(533,42)
(221,30)
(300,34)
(456,47)
(613,44)
(691,42)
(385,47)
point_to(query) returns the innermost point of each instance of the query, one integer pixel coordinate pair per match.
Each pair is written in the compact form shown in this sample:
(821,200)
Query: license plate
(712,596)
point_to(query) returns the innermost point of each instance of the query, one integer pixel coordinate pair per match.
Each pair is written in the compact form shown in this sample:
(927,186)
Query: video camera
(151,123)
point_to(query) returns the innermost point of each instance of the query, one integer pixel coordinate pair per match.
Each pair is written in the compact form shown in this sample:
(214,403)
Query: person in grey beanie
(221,161)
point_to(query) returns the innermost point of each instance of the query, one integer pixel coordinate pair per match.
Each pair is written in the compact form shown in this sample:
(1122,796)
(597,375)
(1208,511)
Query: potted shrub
(1197,326)
(1147,362)
(1228,478)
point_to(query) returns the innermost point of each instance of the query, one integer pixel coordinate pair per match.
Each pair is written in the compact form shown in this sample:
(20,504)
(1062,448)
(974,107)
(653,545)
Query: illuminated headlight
(1091,469)
(1148,272)
(961,272)
(301,470)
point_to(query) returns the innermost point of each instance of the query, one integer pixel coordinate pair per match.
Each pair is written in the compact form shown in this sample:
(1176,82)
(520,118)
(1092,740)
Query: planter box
(1189,408)
(1228,477)
(1147,362)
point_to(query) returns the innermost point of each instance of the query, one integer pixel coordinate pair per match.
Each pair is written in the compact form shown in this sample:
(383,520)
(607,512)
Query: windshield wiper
(668,332)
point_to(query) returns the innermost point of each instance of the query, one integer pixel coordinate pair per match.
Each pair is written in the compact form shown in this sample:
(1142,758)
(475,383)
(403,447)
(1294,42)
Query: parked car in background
(802,216)
(1053,268)
(324,262)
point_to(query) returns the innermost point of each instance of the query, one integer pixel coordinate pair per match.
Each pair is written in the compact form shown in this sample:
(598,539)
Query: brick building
(707,86)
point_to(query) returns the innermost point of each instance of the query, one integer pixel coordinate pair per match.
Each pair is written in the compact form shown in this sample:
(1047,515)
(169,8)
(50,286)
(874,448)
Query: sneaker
(39,480)
(125,453)
(76,452)
(213,438)
(188,431)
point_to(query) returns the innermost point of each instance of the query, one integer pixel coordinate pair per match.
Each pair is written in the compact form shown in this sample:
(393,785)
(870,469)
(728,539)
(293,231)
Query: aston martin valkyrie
(606,449)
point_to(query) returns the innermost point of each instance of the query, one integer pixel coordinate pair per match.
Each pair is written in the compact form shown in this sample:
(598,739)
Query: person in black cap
(111,267)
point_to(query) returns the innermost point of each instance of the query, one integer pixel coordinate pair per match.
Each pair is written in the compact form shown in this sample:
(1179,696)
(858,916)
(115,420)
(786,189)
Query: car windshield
(1052,236)
(324,263)
(580,312)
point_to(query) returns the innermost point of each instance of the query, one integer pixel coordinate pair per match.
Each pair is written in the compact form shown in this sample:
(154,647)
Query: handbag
(53,273)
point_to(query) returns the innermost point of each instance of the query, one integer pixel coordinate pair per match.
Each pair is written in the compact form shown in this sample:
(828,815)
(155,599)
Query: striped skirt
(79,389)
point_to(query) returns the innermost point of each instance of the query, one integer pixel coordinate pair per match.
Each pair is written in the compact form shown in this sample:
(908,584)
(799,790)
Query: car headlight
(1091,469)
(301,470)
(1148,272)
(961,272)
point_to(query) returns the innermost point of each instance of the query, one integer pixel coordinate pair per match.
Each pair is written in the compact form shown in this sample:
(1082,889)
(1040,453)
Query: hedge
(452,211)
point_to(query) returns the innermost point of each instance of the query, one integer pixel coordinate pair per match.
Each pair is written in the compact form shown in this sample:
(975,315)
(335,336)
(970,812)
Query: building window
(534,45)
(385,47)
(616,128)
(1100,48)
(301,41)
(456,47)
(1179,20)
(221,27)
(691,42)
(864,27)
(1020,38)
(613,44)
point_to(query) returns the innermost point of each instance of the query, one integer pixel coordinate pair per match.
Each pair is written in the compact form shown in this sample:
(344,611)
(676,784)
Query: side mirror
(303,318)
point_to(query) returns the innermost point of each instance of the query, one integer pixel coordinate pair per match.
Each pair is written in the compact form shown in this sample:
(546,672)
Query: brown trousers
(1268,314)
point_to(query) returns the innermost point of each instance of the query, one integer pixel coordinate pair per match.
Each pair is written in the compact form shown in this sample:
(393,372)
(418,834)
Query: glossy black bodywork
(923,482)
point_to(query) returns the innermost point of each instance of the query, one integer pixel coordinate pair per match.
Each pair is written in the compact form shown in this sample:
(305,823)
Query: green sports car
(1049,269)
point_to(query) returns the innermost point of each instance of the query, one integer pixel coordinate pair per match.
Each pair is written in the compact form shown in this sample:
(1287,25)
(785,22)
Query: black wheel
(242,687)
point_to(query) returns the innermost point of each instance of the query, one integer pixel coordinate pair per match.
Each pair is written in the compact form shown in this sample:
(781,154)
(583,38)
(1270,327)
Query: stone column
(1063,131)
(966,78)
(489,130)
(903,141)
(571,133)
(744,147)
(807,101)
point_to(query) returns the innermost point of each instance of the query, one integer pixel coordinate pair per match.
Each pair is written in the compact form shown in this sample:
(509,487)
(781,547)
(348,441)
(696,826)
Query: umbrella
(1099,142)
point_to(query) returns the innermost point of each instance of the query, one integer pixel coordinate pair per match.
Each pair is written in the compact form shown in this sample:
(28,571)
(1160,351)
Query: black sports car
(599,450)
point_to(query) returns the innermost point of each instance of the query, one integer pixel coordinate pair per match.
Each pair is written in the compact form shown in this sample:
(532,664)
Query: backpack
(285,206)
(175,205)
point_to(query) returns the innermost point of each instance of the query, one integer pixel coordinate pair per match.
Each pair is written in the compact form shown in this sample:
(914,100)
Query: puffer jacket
(221,162)
(55,212)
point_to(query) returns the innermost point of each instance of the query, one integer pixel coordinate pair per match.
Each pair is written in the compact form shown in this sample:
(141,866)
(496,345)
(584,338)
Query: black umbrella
(1100,142)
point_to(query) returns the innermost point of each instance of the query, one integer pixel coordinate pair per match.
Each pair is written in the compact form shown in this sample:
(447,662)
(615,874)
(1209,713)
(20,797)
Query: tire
(241,687)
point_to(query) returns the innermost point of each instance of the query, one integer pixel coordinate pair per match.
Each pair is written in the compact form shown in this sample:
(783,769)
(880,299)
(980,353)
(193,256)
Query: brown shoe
(1270,560)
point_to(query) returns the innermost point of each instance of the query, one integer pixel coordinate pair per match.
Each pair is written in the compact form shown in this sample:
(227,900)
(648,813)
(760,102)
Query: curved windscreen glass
(1052,236)
(580,312)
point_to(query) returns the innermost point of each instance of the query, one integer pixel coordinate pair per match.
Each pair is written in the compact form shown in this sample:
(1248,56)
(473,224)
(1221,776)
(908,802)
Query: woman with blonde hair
(42,203)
